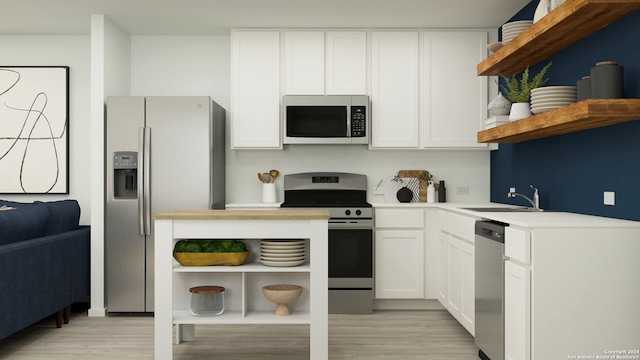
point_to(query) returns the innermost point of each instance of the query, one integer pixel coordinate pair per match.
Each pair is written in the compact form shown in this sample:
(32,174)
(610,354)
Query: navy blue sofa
(44,262)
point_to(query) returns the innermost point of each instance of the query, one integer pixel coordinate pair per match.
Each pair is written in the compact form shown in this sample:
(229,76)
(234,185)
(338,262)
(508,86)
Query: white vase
(500,105)
(519,111)
(541,10)
(431,193)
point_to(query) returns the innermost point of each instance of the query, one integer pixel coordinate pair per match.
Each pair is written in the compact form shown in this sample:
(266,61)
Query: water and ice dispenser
(125,174)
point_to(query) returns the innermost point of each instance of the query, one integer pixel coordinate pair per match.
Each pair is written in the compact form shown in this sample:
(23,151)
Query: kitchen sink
(502,209)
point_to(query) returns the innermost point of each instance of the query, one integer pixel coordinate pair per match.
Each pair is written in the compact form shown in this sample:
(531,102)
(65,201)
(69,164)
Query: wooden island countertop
(244,215)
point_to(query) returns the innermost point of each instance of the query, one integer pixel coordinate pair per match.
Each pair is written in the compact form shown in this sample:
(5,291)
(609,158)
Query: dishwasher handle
(492,230)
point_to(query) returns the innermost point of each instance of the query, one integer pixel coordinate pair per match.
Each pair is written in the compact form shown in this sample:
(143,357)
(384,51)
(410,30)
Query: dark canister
(607,80)
(584,88)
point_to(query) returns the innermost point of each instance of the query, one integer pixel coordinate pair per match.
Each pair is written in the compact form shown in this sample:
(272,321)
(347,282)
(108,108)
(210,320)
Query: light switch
(609,198)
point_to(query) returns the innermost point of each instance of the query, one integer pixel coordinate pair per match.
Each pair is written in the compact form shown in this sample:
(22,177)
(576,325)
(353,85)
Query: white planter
(520,111)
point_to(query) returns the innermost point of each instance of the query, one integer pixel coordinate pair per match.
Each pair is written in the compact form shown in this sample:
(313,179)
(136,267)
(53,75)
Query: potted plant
(426,180)
(405,194)
(518,91)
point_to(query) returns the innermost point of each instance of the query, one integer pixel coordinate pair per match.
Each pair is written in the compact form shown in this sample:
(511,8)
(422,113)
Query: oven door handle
(351,224)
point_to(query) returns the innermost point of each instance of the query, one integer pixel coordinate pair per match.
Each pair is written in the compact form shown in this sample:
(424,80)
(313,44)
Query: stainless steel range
(344,195)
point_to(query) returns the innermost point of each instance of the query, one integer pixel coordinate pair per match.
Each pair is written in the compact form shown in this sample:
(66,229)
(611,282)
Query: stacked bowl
(282,252)
(552,97)
(512,29)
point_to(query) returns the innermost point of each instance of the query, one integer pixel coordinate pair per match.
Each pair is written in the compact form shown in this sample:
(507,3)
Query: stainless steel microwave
(326,119)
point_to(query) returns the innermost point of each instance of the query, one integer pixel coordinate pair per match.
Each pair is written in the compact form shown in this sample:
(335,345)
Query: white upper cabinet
(394,89)
(454,98)
(304,63)
(346,63)
(325,63)
(255,89)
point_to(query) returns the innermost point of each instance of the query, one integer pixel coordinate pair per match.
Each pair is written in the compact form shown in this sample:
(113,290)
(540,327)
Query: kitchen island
(244,301)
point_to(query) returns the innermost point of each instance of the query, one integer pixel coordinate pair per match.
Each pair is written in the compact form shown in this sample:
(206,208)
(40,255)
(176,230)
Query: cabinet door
(454,97)
(454,260)
(467,286)
(394,89)
(443,269)
(304,63)
(399,256)
(255,89)
(346,67)
(517,312)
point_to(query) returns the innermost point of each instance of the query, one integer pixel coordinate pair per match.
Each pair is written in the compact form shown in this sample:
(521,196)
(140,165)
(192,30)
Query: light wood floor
(392,335)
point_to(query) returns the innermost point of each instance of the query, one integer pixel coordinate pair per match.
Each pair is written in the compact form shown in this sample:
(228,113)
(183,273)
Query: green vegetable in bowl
(209,246)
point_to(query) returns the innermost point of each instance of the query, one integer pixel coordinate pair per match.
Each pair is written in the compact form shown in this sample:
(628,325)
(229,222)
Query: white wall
(200,65)
(72,51)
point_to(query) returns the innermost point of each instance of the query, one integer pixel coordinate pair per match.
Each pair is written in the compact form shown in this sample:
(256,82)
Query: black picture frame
(34,130)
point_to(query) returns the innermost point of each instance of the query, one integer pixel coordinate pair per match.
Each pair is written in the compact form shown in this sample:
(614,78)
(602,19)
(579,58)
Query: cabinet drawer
(517,244)
(461,226)
(399,218)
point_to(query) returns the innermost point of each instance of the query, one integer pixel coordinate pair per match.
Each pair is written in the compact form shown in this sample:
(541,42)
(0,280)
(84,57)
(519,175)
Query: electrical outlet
(512,189)
(462,190)
(609,198)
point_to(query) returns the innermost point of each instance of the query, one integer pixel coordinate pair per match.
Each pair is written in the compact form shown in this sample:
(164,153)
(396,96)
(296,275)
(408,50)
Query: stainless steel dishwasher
(489,269)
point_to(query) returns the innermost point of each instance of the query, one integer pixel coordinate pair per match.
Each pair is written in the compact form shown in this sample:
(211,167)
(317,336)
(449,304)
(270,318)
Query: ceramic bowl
(282,295)
(495,46)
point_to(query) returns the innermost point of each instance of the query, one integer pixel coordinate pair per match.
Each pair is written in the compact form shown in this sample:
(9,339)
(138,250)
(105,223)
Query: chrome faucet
(536,198)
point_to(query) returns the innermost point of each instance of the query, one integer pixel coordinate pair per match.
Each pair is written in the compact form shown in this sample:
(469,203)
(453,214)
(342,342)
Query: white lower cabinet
(517,311)
(456,275)
(399,254)
(399,263)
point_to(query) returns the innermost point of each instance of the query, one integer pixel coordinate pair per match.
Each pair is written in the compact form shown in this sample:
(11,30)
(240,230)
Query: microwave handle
(349,121)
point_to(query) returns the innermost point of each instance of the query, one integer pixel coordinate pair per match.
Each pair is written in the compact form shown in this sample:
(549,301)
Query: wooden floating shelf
(583,115)
(570,22)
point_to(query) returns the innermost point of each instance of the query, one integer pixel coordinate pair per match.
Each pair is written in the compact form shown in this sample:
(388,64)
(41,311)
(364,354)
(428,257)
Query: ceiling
(210,17)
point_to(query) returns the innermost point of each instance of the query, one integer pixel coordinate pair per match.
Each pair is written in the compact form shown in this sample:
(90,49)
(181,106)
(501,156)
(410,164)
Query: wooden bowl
(211,258)
(282,295)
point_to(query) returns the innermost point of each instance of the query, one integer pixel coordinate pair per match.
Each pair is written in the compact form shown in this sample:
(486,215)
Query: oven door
(350,258)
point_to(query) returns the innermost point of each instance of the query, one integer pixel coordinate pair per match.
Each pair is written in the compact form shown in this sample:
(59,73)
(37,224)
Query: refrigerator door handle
(146,168)
(141,177)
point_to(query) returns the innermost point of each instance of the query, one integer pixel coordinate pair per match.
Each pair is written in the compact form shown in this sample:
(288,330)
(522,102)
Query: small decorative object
(282,295)
(519,111)
(405,194)
(607,80)
(431,193)
(210,252)
(500,105)
(519,91)
(442,192)
(207,300)
(583,87)
(495,46)
(425,180)
(542,10)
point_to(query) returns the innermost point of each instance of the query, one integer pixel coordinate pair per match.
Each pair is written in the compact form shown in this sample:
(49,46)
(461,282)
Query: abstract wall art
(34,129)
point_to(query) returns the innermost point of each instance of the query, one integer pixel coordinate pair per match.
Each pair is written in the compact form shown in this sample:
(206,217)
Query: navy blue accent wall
(573,171)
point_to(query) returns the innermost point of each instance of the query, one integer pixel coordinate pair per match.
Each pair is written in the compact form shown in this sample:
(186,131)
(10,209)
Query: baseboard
(93,312)
(407,304)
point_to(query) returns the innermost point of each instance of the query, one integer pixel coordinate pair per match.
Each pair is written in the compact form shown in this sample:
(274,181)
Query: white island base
(244,301)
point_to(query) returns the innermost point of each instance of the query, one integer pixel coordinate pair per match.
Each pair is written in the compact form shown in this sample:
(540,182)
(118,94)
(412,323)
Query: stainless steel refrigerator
(162,154)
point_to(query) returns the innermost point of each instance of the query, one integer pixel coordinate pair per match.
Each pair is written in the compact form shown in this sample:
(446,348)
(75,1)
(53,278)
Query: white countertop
(544,219)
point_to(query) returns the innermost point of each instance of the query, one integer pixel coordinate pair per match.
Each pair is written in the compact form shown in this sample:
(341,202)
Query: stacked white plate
(282,252)
(552,97)
(512,29)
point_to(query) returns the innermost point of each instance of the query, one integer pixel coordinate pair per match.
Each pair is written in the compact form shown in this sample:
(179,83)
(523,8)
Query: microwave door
(317,121)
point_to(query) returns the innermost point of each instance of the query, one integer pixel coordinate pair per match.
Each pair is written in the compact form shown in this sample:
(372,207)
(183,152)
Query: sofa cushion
(64,215)
(23,222)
